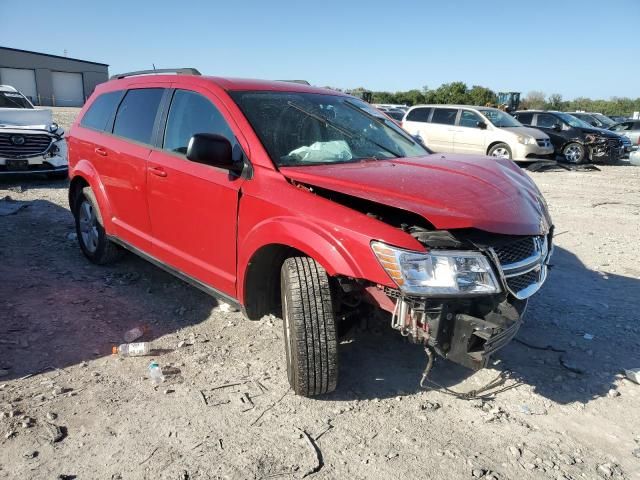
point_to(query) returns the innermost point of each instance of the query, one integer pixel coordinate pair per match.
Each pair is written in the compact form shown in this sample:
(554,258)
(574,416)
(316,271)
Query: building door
(67,89)
(22,79)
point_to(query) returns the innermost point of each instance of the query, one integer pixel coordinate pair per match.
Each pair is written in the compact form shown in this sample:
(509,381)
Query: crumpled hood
(449,191)
(25,116)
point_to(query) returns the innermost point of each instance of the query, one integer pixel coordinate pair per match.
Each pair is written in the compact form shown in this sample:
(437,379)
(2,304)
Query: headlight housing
(526,140)
(438,272)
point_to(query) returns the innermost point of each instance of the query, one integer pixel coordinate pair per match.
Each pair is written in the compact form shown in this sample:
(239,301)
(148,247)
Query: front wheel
(500,150)
(309,327)
(573,153)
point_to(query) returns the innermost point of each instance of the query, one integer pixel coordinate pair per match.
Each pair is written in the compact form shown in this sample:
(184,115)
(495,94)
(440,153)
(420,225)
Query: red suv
(283,198)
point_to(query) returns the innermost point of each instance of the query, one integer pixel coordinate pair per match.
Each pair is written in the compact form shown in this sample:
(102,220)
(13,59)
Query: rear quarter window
(137,114)
(101,111)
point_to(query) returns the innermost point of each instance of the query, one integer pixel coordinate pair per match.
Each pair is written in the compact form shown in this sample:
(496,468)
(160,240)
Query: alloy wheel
(88,226)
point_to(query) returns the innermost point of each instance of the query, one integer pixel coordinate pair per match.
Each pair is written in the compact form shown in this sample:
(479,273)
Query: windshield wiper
(345,131)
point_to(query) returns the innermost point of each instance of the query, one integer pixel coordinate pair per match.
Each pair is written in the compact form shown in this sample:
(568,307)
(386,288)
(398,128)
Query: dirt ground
(69,409)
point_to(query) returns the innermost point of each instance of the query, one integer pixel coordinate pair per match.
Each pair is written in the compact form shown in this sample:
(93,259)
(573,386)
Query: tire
(574,153)
(92,238)
(309,327)
(500,150)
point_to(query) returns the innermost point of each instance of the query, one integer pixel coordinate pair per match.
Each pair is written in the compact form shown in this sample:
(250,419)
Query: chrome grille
(23,145)
(522,265)
(543,142)
(516,251)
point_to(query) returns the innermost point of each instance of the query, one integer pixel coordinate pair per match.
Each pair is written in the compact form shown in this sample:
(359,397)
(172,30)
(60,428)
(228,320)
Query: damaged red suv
(283,198)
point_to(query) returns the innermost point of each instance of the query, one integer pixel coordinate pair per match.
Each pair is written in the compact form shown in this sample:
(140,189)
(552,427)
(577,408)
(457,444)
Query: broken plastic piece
(135,333)
(155,373)
(633,374)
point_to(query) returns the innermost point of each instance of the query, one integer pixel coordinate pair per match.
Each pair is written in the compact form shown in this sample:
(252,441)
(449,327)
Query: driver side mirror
(481,125)
(557,127)
(214,150)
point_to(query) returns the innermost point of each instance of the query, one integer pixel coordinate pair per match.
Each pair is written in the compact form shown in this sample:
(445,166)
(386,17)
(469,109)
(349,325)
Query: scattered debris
(570,366)
(31,454)
(149,456)
(432,406)
(54,433)
(9,206)
(633,374)
(204,397)
(588,336)
(268,408)
(316,451)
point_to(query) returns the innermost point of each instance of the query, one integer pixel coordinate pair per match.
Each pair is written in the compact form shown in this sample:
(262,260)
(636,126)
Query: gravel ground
(69,409)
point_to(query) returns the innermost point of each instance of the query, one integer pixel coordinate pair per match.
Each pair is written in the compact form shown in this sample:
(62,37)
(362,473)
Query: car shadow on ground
(58,310)
(576,338)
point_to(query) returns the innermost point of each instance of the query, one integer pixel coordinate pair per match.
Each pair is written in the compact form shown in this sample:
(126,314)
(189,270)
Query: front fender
(303,235)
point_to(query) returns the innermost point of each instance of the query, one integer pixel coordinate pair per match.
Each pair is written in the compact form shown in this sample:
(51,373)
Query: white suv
(30,142)
(476,130)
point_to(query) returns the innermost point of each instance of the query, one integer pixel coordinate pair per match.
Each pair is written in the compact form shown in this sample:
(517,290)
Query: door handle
(158,171)
(100,151)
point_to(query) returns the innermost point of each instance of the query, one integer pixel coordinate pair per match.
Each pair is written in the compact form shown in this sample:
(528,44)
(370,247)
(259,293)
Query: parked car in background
(574,140)
(629,129)
(395,114)
(30,142)
(311,204)
(618,119)
(476,130)
(594,119)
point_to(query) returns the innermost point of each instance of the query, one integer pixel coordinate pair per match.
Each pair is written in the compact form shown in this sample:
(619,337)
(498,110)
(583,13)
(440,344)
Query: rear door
(122,164)
(194,207)
(468,136)
(442,129)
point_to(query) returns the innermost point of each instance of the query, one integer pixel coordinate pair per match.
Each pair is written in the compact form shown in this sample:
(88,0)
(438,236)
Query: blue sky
(575,48)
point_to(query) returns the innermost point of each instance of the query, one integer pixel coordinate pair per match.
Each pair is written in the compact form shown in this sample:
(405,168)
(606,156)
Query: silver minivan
(476,130)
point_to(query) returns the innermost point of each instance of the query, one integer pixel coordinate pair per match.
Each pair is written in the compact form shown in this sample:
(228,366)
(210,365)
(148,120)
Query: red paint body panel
(450,192)
(208,224)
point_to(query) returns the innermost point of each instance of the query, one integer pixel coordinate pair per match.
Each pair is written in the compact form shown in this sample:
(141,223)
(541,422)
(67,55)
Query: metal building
(50,80)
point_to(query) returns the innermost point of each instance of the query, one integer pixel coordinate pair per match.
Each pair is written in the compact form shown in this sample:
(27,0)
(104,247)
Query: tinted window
(546,120)
(445,116)
(419,115)
(101,111)
(137,113)
(191,113)
(524,118)
(469,119)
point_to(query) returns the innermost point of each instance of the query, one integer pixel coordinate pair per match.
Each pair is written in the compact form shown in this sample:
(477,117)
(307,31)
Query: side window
(446,116)
(524,118)
(137,114)
(419,115)
(191,113)
(623,127)
(101,111)
(469,119)
(546,121)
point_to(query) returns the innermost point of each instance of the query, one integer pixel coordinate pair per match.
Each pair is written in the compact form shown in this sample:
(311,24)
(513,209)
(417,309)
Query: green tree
(481,96)
(535,99)
(555,101)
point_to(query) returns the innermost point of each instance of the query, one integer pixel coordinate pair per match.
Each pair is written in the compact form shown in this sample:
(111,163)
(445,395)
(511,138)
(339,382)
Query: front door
(547,123)
(193,207)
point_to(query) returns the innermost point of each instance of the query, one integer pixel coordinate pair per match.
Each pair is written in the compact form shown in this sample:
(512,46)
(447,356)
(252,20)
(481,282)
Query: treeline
(460,93)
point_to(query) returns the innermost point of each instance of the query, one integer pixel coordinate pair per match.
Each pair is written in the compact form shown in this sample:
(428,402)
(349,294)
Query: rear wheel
(92,238)
(573,153)
(500,150)
(309,327)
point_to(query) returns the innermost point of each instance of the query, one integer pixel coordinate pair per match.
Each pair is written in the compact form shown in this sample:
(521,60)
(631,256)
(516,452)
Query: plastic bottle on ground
(132,349)
(135,333)
(155,372)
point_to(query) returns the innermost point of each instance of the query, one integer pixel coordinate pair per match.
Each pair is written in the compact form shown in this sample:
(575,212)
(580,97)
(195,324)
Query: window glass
(101,111)
(446,116)
(546,121)
(137,113)
(622,127)
(524,118)
(191,113)
(13,100)
(419,115)
(299,128)
(469,119)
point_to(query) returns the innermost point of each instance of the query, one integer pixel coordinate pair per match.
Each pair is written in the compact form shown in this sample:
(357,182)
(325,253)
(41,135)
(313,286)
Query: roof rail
(178,71)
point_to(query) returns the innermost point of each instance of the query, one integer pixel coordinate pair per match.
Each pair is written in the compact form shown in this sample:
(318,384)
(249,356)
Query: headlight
(438,272)
(526,140)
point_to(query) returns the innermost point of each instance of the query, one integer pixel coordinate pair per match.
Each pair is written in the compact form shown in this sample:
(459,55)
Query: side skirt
(177,273)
